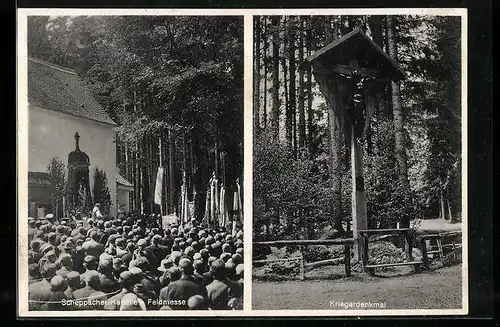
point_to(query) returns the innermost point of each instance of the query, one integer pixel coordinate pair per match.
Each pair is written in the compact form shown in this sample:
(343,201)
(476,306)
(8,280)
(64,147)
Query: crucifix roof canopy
(78,157)
(356,45)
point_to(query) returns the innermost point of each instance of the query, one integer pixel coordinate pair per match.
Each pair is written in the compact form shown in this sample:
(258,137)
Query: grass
(437,289)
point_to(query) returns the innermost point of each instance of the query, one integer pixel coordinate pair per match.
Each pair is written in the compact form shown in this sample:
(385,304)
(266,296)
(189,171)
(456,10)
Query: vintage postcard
(242,162)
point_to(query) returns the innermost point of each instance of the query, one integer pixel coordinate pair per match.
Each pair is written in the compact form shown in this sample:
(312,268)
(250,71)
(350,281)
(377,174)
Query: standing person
(96,212)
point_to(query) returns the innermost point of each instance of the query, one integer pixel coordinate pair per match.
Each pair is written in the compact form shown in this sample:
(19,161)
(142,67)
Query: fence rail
(409,241)
(346,242)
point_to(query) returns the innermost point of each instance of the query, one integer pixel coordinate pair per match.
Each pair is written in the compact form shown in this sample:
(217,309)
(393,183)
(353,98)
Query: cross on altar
(352,65)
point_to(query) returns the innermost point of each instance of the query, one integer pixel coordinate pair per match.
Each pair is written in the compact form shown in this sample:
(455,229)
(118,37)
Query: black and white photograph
(358,200)
(242,162)
(134,164)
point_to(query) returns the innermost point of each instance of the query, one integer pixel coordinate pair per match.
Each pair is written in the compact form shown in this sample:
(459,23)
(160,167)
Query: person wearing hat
(91,280)
(142,250)
(40,292)
(171,275)
(66,264)
(80,235)
(118,267)
(165,264)
(149,281)
(181,290)
(219,290)
(78,256)
(156,248)
(74,283)
(189,252)
(231,270)
(208,275)
(120,247)
(102,237)
(226,247)
(175,257)
(132,302)
(167,240)
(127,282)
(34,273)
(197,302)
(127,257)
(225,256)
(49,257)
(237,258)
(107,282)
(31,228)
(90,265)
(198,272)
(49,218)
(93,247)
(57,286)
(34,253)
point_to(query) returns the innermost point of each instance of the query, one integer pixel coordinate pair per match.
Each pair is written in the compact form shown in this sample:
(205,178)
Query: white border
(22,165)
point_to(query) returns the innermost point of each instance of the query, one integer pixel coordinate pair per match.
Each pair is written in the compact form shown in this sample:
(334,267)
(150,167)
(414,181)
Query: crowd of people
(132,262)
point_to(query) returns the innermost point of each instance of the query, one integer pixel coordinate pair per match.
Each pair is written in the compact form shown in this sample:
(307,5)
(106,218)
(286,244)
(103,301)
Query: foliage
(57,172)
(387,200)
(288,196)
(100,190)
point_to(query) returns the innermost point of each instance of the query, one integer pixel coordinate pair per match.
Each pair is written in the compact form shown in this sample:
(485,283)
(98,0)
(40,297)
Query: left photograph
(135,163)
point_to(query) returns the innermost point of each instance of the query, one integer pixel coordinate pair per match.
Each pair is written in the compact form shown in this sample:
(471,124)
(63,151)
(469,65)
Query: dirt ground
(437,289)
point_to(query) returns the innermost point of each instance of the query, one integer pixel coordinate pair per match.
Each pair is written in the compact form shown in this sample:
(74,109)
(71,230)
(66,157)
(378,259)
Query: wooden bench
(415,264)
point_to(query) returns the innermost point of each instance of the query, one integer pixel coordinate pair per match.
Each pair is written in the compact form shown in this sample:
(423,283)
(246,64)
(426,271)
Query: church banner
(159,186)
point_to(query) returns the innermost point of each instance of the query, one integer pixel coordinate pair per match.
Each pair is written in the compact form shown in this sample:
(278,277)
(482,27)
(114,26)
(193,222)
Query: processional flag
(159,186)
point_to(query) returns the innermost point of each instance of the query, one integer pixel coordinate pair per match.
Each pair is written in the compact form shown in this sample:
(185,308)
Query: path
(438,289)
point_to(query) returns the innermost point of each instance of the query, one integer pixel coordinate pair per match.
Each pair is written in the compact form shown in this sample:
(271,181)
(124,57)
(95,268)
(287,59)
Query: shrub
(101,191)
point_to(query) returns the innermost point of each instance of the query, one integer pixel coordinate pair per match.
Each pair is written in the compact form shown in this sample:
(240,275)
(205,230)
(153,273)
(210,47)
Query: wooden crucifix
(352,73)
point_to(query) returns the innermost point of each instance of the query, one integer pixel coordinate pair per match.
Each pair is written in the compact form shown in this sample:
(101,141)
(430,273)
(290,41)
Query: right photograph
(358,200)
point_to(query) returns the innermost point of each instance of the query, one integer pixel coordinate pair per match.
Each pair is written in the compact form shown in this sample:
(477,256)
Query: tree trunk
(442,214)
(450,216)
(171,172)
(292,98)
(265,61)
(398,116)
(256,86)
(309,89)
(302,120)
(275,94)
(288,131)
(375,23)
(335,145)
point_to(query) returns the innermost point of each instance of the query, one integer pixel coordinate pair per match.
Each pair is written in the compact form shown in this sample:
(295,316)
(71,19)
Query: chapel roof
(60,89)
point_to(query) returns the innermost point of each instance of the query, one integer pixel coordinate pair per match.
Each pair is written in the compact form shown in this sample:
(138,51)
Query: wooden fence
(346,242)
(411,239)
